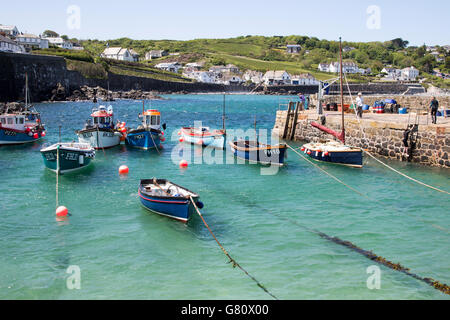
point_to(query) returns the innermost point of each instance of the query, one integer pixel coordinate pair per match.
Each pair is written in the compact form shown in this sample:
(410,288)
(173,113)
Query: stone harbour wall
(380,138)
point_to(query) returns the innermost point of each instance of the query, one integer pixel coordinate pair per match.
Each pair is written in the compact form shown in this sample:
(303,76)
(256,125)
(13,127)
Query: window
(21,120)
(10,121)
(95,120)
(3,121)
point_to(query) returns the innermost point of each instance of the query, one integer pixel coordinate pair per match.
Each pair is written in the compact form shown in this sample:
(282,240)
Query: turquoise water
(126,252)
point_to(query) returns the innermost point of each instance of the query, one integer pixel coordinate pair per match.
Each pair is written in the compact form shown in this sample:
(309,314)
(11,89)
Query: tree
(50,34)
(398,43)
(65,37)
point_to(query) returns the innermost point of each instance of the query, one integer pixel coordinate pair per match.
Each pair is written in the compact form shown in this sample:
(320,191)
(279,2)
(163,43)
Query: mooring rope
(57,175)
(156,147)
(361,194)
(368,254)
(384,164)
(234,262)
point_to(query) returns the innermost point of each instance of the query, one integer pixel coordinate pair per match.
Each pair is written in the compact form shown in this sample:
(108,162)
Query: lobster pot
(81,159)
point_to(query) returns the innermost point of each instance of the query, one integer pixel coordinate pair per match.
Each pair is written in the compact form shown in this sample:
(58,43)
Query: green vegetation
(87,69)
(79,55)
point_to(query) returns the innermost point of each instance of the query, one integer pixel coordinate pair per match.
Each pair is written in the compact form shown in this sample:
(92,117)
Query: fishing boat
(335,151)
(204,136)
(100,131)
(168,199)
(22,124)
(148,135)
(67,156)
(256,152)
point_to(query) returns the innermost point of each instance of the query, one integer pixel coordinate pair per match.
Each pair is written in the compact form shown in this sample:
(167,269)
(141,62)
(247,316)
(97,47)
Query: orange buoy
(162,139)
(183,164)
(181,139)
(62,211)
(123,169)
(179,133)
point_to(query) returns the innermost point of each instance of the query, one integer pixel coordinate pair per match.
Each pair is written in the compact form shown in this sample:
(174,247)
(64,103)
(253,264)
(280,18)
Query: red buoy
(35,136)
(303,149)
(183,164)
(123,169)
(179,133)
(181,139)
(162,139)
(62,211)
(43,133)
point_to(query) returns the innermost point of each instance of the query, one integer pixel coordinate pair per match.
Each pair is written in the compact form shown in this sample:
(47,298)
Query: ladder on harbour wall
(290,123)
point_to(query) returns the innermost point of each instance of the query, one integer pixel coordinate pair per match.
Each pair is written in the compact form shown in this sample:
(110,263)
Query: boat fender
(199,204)
(81,159)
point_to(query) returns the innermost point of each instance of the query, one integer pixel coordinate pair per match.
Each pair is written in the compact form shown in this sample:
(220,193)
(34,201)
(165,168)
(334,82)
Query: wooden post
(286,124)
(294,123)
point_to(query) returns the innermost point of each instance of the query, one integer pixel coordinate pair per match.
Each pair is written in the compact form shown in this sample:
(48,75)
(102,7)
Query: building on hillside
(31,41)
(8,45)
(155,54)
(437,56)
(230,79)
(347,67)
(134,55)
(253,76)
(169,66)
(10,31)
(117,53)
(279,77)
(194,65)
(293,48)
(410,74)
(304,79)
(324,67)
(77,46)
(60,43)
(392,73)
(348,49)
(229,68)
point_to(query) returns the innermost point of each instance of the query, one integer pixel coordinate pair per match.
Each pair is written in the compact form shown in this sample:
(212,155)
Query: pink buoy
(179,133)
(183,164)
(62,211)
(123,169)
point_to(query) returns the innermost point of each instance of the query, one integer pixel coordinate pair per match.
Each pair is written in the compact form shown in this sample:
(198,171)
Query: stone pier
(383,134)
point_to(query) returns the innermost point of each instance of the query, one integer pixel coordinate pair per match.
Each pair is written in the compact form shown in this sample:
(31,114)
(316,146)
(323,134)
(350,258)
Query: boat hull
(69,159)
(12,137)
(215,140)
(268,155)
(143,139)
(178,209)
(99,139)
(351,158)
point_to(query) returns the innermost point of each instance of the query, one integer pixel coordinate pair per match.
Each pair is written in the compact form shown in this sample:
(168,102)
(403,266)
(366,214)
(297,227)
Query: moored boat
(21,125)
(67,156)
(256,152)
(168,199)
(100,132)
(203,136)
(334,152)
(149,134)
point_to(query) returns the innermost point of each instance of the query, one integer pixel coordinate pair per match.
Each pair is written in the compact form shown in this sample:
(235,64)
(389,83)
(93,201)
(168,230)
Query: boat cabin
(18,121)
(151,119)
(102,117)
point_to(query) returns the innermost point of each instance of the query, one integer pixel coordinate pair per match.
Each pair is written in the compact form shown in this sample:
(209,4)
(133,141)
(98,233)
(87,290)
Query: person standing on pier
(359,104)
(434,105)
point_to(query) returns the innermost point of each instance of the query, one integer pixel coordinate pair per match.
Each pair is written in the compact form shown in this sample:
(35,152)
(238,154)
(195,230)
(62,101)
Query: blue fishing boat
(68,156)
(20,124)
(256,152)
(168,199)
(149,134)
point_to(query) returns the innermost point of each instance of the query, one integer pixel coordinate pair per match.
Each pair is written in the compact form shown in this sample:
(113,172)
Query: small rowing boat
(256,152)
(334,152)
(168,199)
(203,136)
(67,156)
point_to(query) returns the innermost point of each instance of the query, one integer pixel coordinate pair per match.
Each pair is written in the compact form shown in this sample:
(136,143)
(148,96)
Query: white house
(194,65)
(31,41)
(410,74)
(169,66)
(293,48)
(304,79)
(348,49)
(253,76)
(229,68)
(392,73)
(153,54)
(278,77)
(347,67)
(117,53)
(134,55)
(11,31)
(60,42)
(204,76)
(324,67)
(8,45)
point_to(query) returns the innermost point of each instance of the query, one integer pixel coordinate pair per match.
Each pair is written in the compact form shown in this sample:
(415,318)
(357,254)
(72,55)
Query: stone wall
(46,72)
(381,138)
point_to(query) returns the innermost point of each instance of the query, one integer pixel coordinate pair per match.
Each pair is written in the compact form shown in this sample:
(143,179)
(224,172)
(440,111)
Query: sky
(419,22)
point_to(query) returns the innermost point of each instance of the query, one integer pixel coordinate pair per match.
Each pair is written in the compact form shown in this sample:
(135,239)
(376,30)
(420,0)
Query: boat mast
(342,90)
(223,114)
(26,90)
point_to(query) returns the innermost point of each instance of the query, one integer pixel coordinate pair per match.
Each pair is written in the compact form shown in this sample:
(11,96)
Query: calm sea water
(126,252)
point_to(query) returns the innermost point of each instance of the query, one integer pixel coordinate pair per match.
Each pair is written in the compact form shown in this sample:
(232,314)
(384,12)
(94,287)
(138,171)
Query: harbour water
(126,252)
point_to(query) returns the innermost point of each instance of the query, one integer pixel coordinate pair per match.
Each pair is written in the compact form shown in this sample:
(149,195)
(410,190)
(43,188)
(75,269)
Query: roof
(134,53)
(271,74)
(114,51)
(27,35)
(6,39)
(7,27)
(293,45)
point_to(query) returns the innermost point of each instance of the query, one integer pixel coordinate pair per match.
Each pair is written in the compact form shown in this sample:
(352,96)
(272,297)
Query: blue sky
(418,22)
